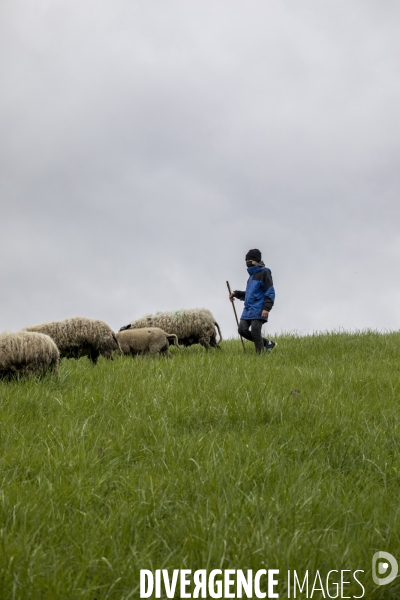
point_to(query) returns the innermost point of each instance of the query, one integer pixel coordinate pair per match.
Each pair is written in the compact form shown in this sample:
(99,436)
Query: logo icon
(381,561)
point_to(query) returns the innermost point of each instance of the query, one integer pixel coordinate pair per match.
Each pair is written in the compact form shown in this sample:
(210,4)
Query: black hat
(254,254)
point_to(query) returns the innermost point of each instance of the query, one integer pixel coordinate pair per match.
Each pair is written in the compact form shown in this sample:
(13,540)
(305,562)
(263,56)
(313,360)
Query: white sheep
(192,326)
(24,353)
(148,340)
(80,336)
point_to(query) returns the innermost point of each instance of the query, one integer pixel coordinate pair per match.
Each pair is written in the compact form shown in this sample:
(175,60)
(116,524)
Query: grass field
(210,460)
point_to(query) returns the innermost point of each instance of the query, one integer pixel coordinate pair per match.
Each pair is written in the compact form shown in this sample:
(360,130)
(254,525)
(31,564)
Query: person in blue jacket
(258,299)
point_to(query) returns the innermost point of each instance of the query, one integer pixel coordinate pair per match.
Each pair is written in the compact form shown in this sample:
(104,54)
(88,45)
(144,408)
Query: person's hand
(264,314)
(232,296)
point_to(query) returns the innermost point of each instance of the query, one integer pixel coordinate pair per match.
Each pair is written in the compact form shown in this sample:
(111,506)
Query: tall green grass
(218,459)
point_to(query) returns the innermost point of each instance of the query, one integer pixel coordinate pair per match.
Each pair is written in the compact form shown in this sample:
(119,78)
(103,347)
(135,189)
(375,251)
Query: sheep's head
(115,344)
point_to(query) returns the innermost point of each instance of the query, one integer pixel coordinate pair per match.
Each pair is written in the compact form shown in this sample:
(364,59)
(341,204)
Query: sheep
(80,336)
(152,340)
(192,326)
(23,353)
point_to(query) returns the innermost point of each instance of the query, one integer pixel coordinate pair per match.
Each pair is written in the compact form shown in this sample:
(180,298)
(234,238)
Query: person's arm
(238,294)
(269,291)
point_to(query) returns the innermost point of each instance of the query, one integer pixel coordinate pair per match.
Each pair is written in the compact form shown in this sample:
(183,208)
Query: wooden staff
(234,310)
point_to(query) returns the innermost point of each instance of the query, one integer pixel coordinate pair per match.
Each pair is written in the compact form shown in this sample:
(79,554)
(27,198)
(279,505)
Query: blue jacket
(259,294)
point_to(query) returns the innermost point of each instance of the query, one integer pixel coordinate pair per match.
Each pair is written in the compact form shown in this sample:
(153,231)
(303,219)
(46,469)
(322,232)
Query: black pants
(253,334)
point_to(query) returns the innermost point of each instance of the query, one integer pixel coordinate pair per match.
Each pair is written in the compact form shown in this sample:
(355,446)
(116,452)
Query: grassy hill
(218,459)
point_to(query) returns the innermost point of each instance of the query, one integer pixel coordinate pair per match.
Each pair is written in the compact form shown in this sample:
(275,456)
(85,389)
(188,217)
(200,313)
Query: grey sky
(146,146)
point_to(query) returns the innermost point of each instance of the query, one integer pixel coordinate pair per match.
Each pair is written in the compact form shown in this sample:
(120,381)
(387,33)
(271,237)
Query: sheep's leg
(94,355)
(165,351)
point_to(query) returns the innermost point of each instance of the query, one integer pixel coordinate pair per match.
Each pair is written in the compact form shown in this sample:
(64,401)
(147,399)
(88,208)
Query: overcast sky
(147,145)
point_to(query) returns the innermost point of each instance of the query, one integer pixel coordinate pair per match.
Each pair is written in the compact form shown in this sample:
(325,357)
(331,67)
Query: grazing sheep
(151,340)
(79,336)
(192,326)
(24,353)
